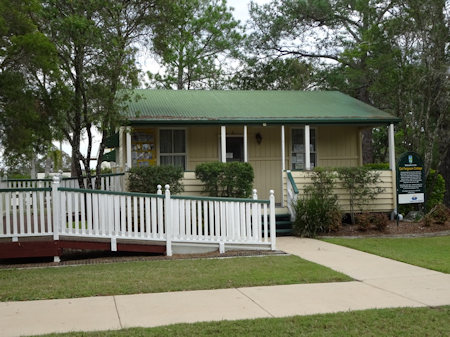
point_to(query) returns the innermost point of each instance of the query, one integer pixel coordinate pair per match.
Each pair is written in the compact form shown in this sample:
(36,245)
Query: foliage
(365,221)
(27,62)
(377,166)
(438,214)
(361,183)
(95,44)
(192,44)
(234,179)
(316,210)
(273,74)
(435,190)
(388,53)
(146,179)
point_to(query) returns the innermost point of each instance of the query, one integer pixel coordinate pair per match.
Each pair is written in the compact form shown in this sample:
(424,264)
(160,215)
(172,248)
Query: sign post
(410,179)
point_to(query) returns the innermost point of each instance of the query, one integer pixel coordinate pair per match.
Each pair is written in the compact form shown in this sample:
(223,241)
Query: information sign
(410,179)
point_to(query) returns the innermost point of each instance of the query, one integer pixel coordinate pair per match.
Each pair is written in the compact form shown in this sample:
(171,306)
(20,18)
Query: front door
(235,148)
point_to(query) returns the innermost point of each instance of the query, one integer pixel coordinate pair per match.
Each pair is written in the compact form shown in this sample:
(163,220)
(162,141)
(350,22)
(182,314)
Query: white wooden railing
(25,212)
(108,182)
(292,194)
(71,212)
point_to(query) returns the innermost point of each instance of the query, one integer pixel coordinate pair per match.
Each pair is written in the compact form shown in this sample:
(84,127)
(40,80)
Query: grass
(430,252)
(379,322)
(159,276)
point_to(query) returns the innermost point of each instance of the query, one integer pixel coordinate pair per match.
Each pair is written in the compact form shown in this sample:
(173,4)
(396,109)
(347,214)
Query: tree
(27,62)
(95,42)
(273,74)
(346,37)
(193,44)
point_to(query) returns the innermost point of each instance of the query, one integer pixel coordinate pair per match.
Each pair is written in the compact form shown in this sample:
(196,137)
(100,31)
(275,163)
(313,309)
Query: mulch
(404,229)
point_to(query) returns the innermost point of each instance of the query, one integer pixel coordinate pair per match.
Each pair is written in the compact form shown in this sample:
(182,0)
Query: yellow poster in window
(143,147)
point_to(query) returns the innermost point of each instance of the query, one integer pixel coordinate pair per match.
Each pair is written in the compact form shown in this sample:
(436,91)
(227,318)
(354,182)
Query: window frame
(172,154)
(316,158)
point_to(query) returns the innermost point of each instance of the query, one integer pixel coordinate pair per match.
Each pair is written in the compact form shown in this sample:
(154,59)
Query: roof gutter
(339,121)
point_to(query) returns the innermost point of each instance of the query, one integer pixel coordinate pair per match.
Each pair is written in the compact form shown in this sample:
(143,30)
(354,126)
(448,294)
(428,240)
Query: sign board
(410,179)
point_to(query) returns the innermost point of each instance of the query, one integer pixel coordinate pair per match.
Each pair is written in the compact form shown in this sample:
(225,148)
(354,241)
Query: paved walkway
(380,283)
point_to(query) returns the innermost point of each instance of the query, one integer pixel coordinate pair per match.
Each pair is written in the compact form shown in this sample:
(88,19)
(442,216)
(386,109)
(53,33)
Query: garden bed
(404,229)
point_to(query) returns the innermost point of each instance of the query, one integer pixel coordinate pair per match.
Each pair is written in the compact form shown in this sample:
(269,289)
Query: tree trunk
(33,168)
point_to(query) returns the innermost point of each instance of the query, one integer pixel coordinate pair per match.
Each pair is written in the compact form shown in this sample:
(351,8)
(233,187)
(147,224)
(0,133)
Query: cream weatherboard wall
(383,202)
(202,145)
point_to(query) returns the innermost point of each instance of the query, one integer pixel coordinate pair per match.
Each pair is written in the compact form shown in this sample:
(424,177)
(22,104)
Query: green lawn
(159,276)
(418,322)
(431,252)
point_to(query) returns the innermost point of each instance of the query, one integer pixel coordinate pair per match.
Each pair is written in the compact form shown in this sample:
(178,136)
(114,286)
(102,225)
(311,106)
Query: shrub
(361,183)
(146,179)
(439,214)
(427,220)
(316,210)
(365,221)
(234,179)
(377,166)
(379,221)
(362,220)
(435,189)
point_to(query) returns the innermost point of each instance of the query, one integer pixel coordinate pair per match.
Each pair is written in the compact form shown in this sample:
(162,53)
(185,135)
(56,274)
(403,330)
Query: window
(298,149)
(172,147)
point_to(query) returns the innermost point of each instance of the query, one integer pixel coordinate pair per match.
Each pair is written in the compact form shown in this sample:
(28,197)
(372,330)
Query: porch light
(258,138)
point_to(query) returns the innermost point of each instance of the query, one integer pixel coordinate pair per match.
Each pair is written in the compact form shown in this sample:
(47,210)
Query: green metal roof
(251,107)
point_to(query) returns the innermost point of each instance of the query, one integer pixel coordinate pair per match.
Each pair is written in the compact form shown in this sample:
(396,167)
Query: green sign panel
(110,156)
(410,179)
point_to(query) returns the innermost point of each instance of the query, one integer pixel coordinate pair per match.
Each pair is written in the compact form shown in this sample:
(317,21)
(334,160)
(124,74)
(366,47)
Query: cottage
(282,134)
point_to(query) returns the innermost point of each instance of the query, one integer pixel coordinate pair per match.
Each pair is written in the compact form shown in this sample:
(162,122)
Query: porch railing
(292,194)
(25,212)
(108,182)
(71,212)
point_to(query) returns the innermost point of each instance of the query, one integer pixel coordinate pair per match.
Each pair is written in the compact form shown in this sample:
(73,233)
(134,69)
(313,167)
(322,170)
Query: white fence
(69,212)
(25,212)
(108,182)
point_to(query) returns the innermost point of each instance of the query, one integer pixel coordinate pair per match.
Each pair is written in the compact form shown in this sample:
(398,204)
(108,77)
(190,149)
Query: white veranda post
(307,149)
(223,143)
(391,142)
(245,145)
(128,165)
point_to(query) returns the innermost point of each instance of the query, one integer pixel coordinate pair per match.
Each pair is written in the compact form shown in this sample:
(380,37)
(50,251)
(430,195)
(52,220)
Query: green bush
(146,179)
(435,190)
(377,166)
(316,210)
(233,179)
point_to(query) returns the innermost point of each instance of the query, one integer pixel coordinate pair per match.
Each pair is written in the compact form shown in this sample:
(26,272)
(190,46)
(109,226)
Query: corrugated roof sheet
(229,106)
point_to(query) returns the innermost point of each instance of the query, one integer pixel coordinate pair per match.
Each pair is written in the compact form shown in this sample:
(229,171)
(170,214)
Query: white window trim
(234,135)
(302,127)
(185,154)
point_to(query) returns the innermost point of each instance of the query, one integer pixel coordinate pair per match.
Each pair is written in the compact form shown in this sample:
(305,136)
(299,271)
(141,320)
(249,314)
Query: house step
(283,224)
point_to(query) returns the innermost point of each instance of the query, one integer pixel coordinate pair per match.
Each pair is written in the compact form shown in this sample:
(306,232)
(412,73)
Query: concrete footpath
(380,283)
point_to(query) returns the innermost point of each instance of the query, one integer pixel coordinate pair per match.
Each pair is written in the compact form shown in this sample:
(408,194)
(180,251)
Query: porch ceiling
(251,107)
